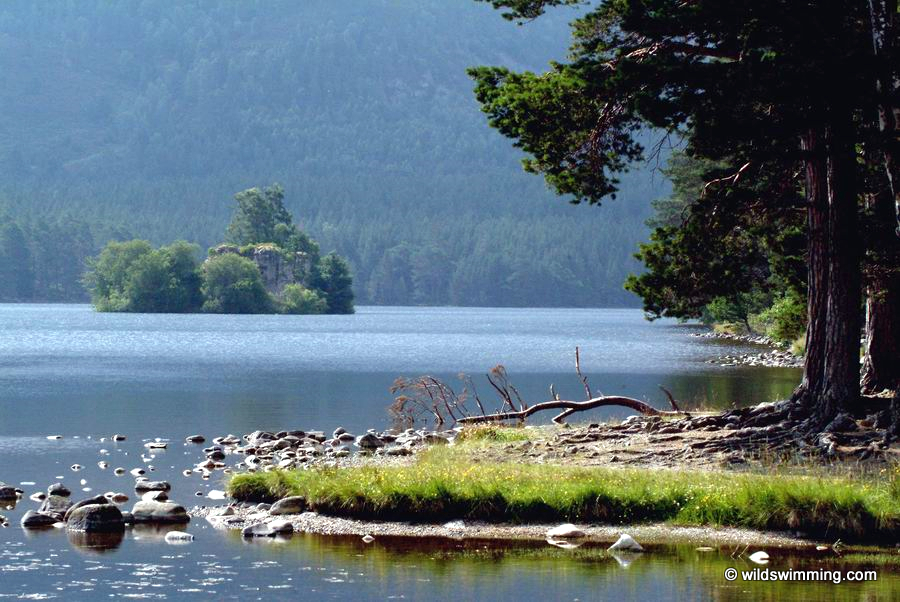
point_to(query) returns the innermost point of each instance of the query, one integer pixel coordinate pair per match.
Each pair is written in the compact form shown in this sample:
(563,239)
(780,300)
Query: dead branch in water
(427,396)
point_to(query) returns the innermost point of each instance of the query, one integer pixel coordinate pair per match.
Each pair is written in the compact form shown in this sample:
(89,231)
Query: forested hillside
(144,118)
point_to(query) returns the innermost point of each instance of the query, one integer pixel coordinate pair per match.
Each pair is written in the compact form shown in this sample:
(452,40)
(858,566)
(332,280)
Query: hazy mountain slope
(150,115)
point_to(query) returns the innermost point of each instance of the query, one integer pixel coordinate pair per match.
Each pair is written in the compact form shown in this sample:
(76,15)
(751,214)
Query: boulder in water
(95,518)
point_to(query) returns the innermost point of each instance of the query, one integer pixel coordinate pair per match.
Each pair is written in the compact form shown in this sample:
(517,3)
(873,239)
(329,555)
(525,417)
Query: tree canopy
(781,94)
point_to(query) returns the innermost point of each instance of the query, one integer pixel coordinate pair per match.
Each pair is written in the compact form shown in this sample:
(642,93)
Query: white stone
(626,543)
(759,557)
(565,531)
(178,537)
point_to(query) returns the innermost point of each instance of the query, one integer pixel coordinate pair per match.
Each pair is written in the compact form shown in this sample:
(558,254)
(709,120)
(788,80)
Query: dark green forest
(141,119)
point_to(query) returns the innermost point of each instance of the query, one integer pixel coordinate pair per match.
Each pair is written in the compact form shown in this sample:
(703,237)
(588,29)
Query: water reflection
(95,543)
(530,570)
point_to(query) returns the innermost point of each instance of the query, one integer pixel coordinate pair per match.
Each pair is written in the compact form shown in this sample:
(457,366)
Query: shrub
(785,320)
(297,299)
(233,285)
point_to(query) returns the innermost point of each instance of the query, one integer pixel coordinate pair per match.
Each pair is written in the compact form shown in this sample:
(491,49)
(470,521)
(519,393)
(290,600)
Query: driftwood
(571,407)
(427,397)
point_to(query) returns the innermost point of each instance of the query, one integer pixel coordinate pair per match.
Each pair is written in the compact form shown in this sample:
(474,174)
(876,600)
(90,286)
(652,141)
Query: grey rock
(281,527)
(155,496)
(127,517)
(258,437)
(196,439)
(95,518)
(98,500)
(152,486)
(58,489)
(369,441)
(289,505)
(8,493)
(221,511)
(37,520)
(159,512)
(56,506)
(270,529)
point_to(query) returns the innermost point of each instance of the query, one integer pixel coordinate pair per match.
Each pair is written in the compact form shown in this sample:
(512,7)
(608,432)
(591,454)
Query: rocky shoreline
(776,357)
(259,520)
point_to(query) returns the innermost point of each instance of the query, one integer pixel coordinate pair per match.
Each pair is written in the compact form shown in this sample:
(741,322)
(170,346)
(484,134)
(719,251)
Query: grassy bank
(447,483)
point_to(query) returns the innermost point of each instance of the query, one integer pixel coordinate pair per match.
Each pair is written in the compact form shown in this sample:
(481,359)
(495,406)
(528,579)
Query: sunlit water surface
(65,370)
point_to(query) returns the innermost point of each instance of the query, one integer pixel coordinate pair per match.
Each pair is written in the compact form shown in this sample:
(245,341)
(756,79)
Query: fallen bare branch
(576,406)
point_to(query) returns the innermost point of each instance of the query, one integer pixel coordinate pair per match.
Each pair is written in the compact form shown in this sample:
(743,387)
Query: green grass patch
(447,483)
(496,434)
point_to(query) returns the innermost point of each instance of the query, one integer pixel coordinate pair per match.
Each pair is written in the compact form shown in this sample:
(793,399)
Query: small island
(266,265)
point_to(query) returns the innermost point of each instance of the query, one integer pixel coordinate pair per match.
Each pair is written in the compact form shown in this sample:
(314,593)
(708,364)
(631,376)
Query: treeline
(44,260)
(153,114)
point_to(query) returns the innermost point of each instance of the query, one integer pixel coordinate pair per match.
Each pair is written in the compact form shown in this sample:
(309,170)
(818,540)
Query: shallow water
(69,371)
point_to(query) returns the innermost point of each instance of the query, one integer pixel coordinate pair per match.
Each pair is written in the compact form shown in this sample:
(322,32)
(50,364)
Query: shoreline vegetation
(466,481)
(267,265)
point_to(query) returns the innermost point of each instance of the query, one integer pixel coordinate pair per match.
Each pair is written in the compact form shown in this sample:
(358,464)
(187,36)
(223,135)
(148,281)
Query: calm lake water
(65,370)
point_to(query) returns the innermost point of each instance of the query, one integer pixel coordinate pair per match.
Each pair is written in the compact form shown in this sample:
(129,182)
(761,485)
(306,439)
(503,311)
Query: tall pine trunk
(831,369)
(840,378)
(813,146)
(881,367)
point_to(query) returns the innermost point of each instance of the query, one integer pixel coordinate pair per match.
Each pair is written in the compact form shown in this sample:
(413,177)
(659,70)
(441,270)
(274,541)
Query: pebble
(178,537)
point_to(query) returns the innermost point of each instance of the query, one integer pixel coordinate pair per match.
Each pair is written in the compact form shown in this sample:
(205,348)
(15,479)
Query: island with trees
(266,265)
